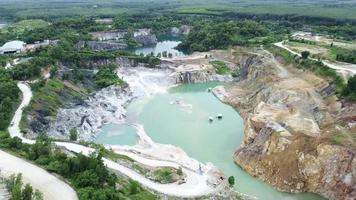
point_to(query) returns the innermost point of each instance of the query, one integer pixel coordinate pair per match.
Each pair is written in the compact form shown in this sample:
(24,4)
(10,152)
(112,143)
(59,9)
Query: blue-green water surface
(181,118)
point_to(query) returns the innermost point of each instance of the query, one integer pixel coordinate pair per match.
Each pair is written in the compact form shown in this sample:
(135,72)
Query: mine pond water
(180,117)
(164,44)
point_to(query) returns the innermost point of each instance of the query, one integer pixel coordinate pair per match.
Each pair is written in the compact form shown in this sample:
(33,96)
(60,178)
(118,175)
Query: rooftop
(13,46)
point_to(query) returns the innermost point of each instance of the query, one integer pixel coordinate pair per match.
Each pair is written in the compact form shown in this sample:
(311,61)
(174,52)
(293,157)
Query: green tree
(16,193)
(106,76)
(14,185)
(37,195)
(133,187)
(180,171)
(350,89)
(27,192)
(305,54)
(73,134)
(121,22)
(231,181)
(164,54)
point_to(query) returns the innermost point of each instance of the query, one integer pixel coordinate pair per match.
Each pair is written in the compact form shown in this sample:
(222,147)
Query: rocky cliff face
(119,61)
(102,45)
(142,36)
(296,134)
(145,37)
(196,73)
(104,106)
(192,74)
(182,30)
(109,35)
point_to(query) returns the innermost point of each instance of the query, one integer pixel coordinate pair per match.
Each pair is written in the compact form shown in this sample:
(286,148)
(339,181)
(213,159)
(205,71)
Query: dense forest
(345,55)
(221,35)
(9,98)
(52,9)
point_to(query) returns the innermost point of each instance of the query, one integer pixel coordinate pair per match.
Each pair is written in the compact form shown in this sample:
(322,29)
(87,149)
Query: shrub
(180,171)
(305,54)
(220,67)
(338,139)
(231,181)
(107,77)
(73,134)
(350,89)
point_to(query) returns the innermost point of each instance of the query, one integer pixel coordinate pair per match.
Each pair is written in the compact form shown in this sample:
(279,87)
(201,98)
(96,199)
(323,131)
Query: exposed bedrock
(104,106)
(182,30)
(119,61)
(146,40)
(292,121)
(102,45)
(195,73)
(142,36)
(109,104)
(145,37)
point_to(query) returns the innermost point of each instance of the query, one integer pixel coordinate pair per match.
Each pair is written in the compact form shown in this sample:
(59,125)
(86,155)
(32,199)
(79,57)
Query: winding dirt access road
(50,186)
(345,69)
(196,184)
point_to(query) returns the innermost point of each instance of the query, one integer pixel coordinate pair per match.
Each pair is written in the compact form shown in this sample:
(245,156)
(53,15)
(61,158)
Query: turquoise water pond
(165,43)
(121,134)
(180,117)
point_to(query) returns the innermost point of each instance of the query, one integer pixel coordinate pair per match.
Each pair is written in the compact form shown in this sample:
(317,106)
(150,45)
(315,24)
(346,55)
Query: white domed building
(13,47)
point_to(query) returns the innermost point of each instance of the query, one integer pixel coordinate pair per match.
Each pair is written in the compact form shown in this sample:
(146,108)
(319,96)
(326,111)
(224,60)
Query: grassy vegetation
(315,66)
(161,174)
(26,25)
(165,175)
(329,52)
(344,55)
(18,190)
(106,76)
(220,67)
(287,56)
(339,138)
(48,97)
(51,96)
(105,152)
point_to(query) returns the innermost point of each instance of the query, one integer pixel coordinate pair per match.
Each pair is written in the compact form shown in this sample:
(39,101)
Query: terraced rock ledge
(298,136)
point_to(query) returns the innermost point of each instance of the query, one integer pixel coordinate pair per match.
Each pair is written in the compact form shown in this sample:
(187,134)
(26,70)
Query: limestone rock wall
(291,118)
(104,106)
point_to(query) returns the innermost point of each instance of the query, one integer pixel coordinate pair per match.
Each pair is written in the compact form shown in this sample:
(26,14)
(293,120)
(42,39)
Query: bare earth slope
(298,137)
